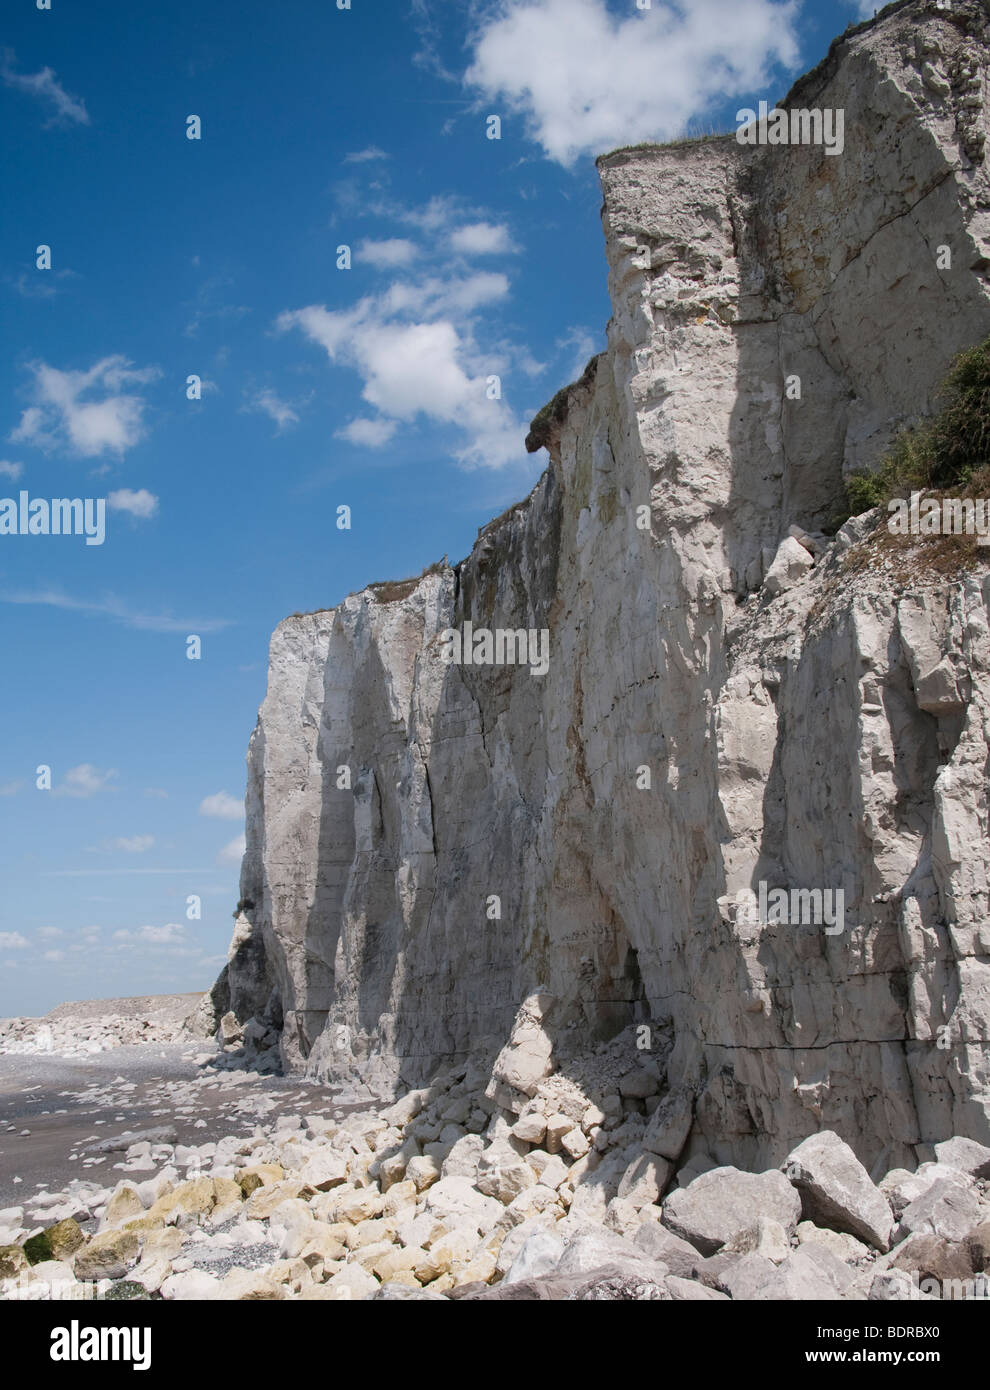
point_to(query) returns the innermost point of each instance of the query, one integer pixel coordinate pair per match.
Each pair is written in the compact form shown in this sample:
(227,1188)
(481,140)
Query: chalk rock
(718,1206)
(836,1189)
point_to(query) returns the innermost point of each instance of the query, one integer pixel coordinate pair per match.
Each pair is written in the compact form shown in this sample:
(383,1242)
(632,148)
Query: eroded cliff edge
(834,734)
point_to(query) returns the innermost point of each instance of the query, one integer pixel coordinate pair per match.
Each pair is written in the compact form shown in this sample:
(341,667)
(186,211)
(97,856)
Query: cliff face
(826,731)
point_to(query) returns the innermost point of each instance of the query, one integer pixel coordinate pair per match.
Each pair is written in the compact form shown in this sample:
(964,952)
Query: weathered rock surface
(719,1206)
(836,1190)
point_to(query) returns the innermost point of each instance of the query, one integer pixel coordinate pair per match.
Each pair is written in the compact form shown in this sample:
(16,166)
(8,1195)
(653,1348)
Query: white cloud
(46,87)
(90,427)
(223,806)
(276,409)
(53,955)
(85,780)
(139,504)
(132,844)
(11,470)
(111,607)
(587,79)
(373,434)
(233,852)
(363,156)
(12,941)
(393,251)
(171,934)
(457,296)
(414,348)
(431,216)
(51,933)
(481,239)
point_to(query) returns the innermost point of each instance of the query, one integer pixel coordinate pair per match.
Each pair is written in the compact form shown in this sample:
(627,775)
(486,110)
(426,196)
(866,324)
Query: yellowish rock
(454,1248)
(259,1175)
(109,1255)
(396,1262)
(429,1265)
(479,1270)
(251,1286)
(369,1233)
(399,1197)
(323,1244)
(359,1206)
(13,1261)
(264,1200)
(124,1205)
(227,1192)
(294,1274)
(64,1238)
(368,1254)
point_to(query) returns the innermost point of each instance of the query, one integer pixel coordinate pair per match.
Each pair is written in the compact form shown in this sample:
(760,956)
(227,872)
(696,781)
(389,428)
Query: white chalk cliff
(806,721)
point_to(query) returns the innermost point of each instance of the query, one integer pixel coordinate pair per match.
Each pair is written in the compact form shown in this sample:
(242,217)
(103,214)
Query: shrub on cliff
(948,453)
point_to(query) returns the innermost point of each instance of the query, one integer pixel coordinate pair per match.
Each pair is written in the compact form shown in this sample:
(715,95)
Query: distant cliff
(430,844)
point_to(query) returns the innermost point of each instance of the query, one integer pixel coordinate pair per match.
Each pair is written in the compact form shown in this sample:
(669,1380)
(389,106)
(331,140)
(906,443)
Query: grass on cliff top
(555,410)
(384,590)
(691,137)
(947,455)
(392,590)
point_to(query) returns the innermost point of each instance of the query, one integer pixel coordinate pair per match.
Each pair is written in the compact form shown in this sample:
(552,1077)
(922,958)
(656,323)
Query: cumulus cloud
(45,86)
(12,941)
(275,408)
(89,411)
(586,79)
(372,434)
(233,851)
(223,806)
(481,239)
(53,955)
(141,504)
(386,254)
(85,780)
(11,470)
(414,349)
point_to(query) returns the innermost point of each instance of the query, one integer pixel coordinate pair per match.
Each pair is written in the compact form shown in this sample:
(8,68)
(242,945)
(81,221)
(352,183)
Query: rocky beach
(177,1172)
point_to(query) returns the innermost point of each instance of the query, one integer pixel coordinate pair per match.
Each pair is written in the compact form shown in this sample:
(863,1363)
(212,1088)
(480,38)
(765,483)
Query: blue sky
(367,387)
